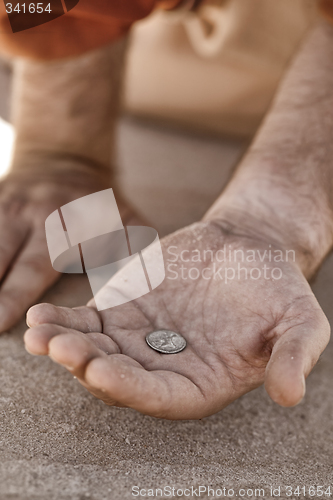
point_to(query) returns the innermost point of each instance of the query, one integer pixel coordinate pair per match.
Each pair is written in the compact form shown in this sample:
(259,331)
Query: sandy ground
(58,442)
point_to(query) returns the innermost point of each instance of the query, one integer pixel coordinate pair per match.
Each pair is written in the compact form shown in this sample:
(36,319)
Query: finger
(12,238)
(83,319)
(293,357)
(70,351)
(37,340)
(74,350)
(162,394)
(30,276)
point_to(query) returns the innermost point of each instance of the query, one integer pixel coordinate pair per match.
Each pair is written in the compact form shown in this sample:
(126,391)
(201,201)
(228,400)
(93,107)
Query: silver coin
(166,341)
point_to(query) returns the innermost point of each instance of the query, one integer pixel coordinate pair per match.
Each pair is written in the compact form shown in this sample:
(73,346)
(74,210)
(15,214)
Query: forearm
(285,180)
(64,112)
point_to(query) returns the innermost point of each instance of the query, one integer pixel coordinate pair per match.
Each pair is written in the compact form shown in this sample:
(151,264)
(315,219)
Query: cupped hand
(241,331)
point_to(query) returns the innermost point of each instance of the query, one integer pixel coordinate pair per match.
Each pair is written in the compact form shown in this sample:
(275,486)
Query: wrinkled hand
(26,200)
(239,334)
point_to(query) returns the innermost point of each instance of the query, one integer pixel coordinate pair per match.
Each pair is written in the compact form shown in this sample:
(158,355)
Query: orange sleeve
(326,6)
(74,30)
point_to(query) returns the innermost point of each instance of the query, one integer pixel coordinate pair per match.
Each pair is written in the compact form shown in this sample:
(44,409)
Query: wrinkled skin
(239,335)
(26,200)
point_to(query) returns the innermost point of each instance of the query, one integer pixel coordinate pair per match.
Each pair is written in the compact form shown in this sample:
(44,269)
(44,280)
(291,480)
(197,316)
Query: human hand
(27,197)
(239,333)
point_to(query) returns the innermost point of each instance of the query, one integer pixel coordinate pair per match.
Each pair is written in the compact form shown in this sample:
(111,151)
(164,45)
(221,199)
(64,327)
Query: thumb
(294,355)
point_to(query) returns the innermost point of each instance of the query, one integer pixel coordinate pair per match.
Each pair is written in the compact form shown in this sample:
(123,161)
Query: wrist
(281,220)
(64,112)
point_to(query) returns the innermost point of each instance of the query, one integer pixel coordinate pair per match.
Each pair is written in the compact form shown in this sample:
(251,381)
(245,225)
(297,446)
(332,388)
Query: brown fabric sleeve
(89,25)
(326,6)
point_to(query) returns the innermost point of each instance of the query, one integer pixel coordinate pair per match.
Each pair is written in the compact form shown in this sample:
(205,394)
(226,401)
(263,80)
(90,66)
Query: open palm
(240,333)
